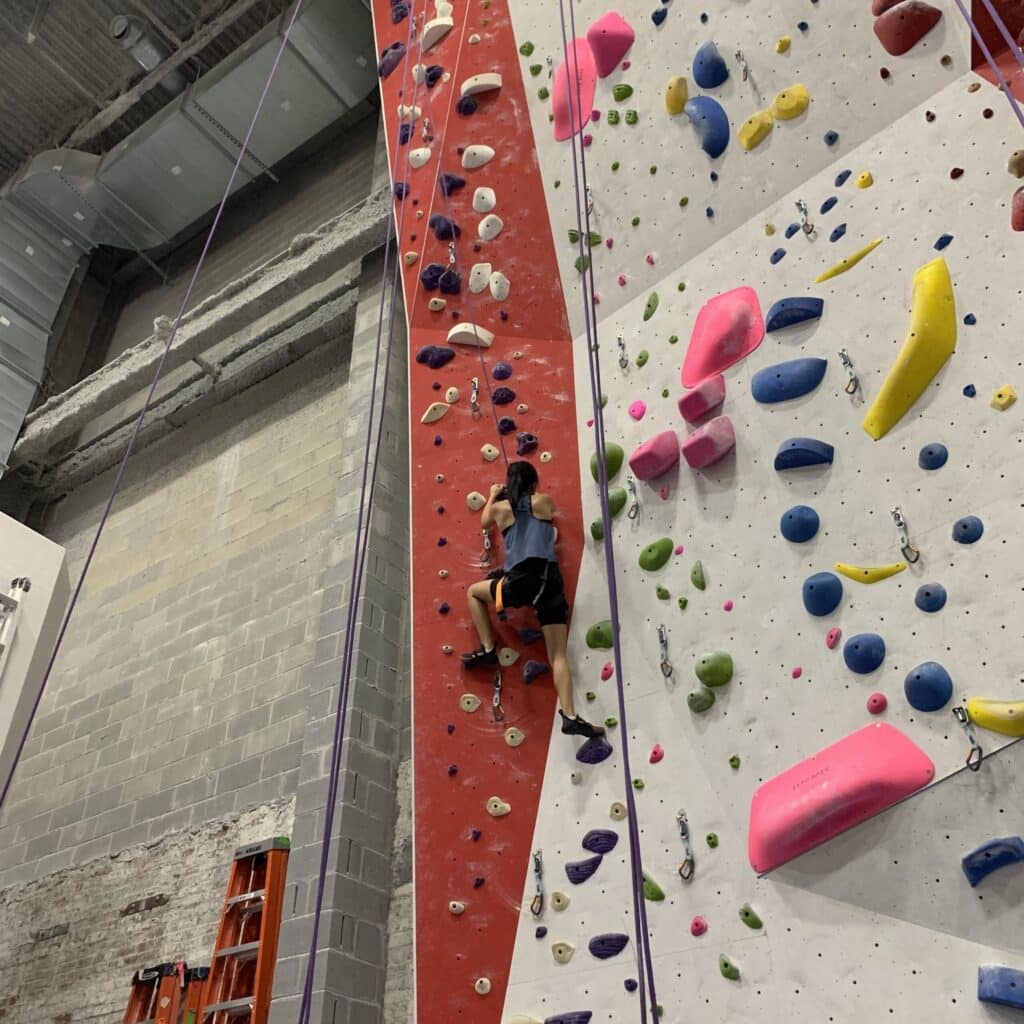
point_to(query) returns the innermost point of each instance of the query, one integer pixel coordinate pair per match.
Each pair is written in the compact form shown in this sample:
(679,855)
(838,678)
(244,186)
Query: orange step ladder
(156,994)
(242,969)
(192,1004)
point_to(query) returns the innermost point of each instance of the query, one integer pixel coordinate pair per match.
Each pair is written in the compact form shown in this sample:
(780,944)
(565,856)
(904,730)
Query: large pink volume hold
(837,788)
(610,38)
(709,444)
(729,327)
(569,90)
(655,456)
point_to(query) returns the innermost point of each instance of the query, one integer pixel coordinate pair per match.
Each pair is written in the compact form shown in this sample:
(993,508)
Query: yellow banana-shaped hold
(870,574)
(1003,716)
(849,261)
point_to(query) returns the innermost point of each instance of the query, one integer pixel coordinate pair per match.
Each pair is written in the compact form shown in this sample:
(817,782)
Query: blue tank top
(528,536)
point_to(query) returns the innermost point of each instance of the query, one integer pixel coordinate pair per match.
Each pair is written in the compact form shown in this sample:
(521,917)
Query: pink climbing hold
(608,243)
(877,703)
(709,444)
(588,139)
(590,423)
(637,409)
(595,115)
(1017,210)
(607,671)
(650,259)
(627,64)
(610,38)
(663,493)
(698,926)
(657,753)
(832,637)
(902,27)
(797,672)
(679,549)
(704,397)
(622,280)
(727,605)
(564,97)
(655,456)
(729,327)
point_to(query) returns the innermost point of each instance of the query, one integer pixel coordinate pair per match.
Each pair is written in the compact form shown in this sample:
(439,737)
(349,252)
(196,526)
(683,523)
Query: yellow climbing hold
(930,342)
(791,102)
(869,574)
(864,180)
(850,261)
(769,230)
(676,95)
(1003,398)
(782,44)
(755,129)
(1002,716)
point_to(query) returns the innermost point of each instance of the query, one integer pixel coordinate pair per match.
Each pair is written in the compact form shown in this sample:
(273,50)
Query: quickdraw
(474,396)
(623,358)
(634,504)
(537,903)
(688,865)
(974,758)
(910,553)
(805,224)
(496,710)
(666,664)
(744,67)
(853,384)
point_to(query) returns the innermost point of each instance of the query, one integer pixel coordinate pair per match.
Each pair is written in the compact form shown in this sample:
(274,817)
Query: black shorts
(538,584)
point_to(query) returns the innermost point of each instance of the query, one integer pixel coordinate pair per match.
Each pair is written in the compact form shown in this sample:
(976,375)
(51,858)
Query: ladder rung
(246,951)
(247,897)
(233,1008)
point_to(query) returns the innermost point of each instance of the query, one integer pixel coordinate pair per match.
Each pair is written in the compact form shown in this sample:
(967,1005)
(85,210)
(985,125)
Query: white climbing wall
(878,924)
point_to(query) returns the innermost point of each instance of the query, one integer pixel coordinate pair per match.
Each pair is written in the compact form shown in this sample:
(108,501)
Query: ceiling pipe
(148,50)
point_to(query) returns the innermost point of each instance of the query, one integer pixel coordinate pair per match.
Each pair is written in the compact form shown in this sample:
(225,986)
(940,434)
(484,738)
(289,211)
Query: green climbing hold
(656,554)
(681,286)
(673,339)
(734,762)
(728,968)
(599,636)
(591,695)
(714,668)
(642,357)
(638,783)
(700,700)
(683,603)
(613,117)
(654,168)
(652,891)
(632,117)
(615,165)
(613,456)
(527,49)
(660,1010)
(651,306)
(582,263)
(749,917)
(574,236)
(536,69)
(557,180)
(622,92)
(542,93)
(604,402)
(712,839)
(684,201)
(664,392)
(611,723)
(597,530)
(697,576)
(662,592)
(616,500)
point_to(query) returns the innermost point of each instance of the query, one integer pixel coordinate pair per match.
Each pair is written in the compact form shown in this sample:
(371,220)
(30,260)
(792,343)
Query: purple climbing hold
(503,314)
(575,1017)
(600,840)
(453,769)
(631,984)
(532,669)
(594,751)
(436,386)
(791,230)
(578,871)
(442,541)
(401,189)
(475,835)
(445,229)
(776,256)
(432,74)
(525,442)
(450,282)
(449,183)
(435,356)
(430,278)
(466,106)
(501,371)
(842,177)
(659,15)
(502,396)
(444,607)
(506,425)
(390,57)
(541,931)
(399,12)
(438,441)
(829,203)
(478,881)
(942,241)
(608,945)
(837,232)
(404,133)
(451,728)
(530,635)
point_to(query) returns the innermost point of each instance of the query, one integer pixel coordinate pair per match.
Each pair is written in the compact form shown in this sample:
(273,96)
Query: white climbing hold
(469,702)
(482,986)
(475,500)
(434,412)
(435,30)
(435,305)
(466,333)
(444,9)
(545,456)
(514,737)
(419,156)
(517,354)
(489,452)
(507,656)
(479,275)
(499,286)
(618,811)
(474,39)
(490,227)
(476,156)
(411,257)
(443,573)
(419,74)
(481,83)
(456,907)
(559,900)
(451,396)
(576,777)
(408,113)
(563,951)
(447,649)
(497,808)
(522,408)
(439,478)
(484,199)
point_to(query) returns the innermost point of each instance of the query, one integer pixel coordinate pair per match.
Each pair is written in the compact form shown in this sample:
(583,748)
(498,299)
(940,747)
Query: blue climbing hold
(594,751)
(799,524)
(933,456)
(502,396)
(842,177)
(430,276)
(709,68)
(1001,985)
(970,391)
(703,17)
(467,105)
(604,947)
(709,212)
(432,74)
(449,183)
(711,123)
(404,133)
(831,138)
(400,189)
(501,371)
(970,319)
(828,204)
(787,312)
(659,15)
(450,282)
(784,381)
(968,529)
(714,175)
(435,356)
(864,652)
(792,229)
(631,984)
(541,931)
(942,241)
(528,634)
(506,425)
(776,256)
(600,840)
(526,442)
(803,26)
(390,57)
(579,871)
(991,856)
(575,1017)
(930,597)
(928,687)
(837,232)
(797,452)
(445,229)
(822,593)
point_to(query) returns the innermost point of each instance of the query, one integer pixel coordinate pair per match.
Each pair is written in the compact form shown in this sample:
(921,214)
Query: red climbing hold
(564,97)
(884,72)
(881,6)
(1017,210)
(902,27)
(956,172)
(610,38)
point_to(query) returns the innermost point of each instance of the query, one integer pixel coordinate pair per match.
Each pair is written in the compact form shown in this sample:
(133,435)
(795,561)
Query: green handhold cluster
(613,457)
(662,592)
(652,891)
(700,700)
(641,358)
(714,668)
(613,117)
(599,636)
(728,968)
(734,762)
(527,49)
(712,838)
(656,554)
(650,306)
(697,576)
(593,238)
(749,917)
(632,117)
(622,92)
(536,69)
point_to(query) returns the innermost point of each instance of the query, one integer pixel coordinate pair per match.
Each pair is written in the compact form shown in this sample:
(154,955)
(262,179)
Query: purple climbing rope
(76,593)
(990,60)
(581,191)
(997,19)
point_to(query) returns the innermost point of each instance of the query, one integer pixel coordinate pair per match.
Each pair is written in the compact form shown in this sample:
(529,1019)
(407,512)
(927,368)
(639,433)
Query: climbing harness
(853,383)
(666,664)
(687,867)
(744,67)
(634,504)
(537,903)
(974,758)
(474,396)
(910,553)
(496,709)
(805,225)
(623,358)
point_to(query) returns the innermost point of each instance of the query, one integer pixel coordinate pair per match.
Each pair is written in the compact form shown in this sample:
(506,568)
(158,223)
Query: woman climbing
(530,578)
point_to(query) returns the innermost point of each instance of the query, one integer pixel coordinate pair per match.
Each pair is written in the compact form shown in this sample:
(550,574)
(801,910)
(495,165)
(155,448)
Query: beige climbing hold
(435,30)
(419,156)
(434,412)
(447,649)
(439,478)
(476,156)
(466,333)
(864,180)
(1015,164)
(469,702)
(443,9)
(410,258)
(545,456)
(517,354)
(489,452)
(791,102)
(755,129)
(522,408)
(497,808)
(576,776)
(514,737)
(769,230)
(475,500)
(562,952)
(490,227)
(451,396)
(676,95)
(484,199)
(435,305)
(456,907)
(419,74)
(479,277)
(499,285)
(618,811)
(507,656)
(1003,398)
(486,82)
(409,113)
(474,39)
(443,573)
(482,986)
(782,44)
(559,900)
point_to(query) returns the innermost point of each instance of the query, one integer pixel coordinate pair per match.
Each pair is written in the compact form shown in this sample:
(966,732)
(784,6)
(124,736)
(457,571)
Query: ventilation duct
(149,50)
(165,175)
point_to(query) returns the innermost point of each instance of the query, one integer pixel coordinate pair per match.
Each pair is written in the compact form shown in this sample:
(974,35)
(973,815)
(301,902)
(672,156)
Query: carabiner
(485,555)
(910,553)
(666,665)
(688,865)
(634,505)
(451,254)
(853,383)
(623,358)
(805,225)
(474,396)
(537,903)
(974,758)
(496,710)
(744,67)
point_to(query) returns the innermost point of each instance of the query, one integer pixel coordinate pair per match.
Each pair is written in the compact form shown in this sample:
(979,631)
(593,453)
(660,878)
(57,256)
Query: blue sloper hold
(575,1017)
(594,751)
(968,530)
(435,356)
(797,452)
(578,871)
(502,396)
(659,15)
(467,105)
(390,57)
(604,947)
(992,856)
(709,68)
(600,840)
(842,177)
(1001,985)
(711,123)
(930,597)
(506,425)
(445,229)
(776,255)
(822,593)
(430,276)
(970,391)
(928,687)
(792,229)
(784,381)
(799,524)
(864,652)
(787,312)
(933,456)
(829,203)
(942,241)
(837,232)
(449,183)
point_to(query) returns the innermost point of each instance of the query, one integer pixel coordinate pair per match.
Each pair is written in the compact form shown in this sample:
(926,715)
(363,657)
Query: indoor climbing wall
(800,227)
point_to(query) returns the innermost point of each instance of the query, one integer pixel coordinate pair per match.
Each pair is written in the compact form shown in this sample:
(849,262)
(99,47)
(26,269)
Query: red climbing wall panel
(487,873)
(1012,14)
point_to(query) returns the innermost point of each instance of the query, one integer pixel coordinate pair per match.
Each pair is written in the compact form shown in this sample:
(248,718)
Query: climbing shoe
(580,727)
(474,659)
